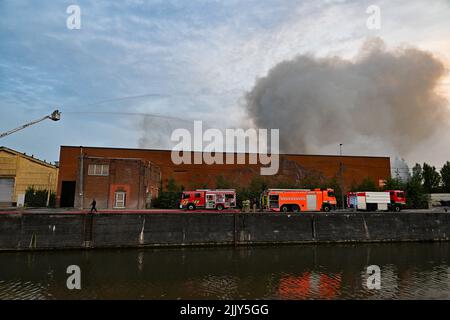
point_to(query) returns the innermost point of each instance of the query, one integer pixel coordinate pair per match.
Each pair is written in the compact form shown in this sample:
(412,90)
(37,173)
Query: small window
(185,195)
(198,195)
(98,170)
(229,196)
(119,199)
(400,195)
(331,194)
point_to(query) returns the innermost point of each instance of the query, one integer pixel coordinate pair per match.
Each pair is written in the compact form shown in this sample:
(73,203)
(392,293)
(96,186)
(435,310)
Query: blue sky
(187,59)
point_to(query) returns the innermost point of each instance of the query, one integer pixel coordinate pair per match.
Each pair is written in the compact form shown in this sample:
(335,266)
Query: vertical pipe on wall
(81,178)
(48,190)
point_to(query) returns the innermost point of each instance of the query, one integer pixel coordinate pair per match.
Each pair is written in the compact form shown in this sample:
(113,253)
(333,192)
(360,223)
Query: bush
(167,200)
(169,197)
(38,198)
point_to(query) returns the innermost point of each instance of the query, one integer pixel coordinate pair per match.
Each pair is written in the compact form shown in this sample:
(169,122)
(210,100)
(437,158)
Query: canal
(408,271)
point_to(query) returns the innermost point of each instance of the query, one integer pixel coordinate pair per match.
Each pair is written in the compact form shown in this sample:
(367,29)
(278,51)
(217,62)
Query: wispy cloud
(198,58)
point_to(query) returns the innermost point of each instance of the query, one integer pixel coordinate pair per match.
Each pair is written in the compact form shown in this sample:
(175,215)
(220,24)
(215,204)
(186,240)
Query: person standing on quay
(93,206)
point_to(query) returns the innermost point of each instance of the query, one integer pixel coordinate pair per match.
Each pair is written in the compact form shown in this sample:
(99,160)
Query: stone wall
(63,231)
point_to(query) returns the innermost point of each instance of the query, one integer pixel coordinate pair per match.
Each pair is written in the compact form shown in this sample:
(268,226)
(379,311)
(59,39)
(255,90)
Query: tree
(415,193)
(417,173)
(445,175)
(169,198)
(254,189)
(222,183)
(368,184)
(171,185)
(416,196)
(394,184)
(431,178)
(334,184)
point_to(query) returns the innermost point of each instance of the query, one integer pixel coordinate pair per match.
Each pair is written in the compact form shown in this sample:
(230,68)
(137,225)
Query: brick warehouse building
(191,176)
(115,183)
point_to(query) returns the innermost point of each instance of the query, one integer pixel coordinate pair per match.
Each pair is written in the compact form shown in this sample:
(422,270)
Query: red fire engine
(208,199)
(295,200)
(393,200)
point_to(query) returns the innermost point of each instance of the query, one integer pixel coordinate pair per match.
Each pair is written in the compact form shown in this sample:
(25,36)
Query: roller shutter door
(311,202)
(6,189)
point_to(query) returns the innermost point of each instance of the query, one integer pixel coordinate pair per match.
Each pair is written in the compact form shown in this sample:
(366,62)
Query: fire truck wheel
(284,208)
(397,208)
(219,207)
(191,206)
(295,208)
(326,208)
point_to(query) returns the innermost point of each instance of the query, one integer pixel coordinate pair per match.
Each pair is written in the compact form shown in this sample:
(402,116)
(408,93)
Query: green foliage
(431,178)
(252,192)
(310,182)
(38,198)
(222,183)
(167,200)
(417,172)
(170,196)
(416,196)
(445,176)
(334,184)
(368,184)
(172,186)
(394,184)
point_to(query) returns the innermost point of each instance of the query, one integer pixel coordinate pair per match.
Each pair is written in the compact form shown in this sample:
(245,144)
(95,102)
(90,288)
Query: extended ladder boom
(55,116)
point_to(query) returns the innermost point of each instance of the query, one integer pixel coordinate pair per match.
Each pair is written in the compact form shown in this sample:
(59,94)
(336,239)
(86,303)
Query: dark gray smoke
(382,97)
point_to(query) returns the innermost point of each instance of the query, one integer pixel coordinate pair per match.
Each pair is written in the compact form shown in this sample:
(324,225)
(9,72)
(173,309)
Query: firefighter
(255,204)
(246,205)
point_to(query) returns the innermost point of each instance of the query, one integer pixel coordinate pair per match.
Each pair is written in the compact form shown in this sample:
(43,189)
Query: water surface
(408,271)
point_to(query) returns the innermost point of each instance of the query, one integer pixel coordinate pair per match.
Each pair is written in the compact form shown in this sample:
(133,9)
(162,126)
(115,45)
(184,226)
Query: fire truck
(295,200)
(208,199)
(390,200)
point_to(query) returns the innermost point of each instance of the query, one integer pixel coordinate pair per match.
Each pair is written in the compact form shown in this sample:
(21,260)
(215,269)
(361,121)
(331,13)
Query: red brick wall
(132,176)
(356,168)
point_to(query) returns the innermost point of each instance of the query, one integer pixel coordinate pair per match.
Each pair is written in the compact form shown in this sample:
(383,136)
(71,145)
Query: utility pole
(49,189)
(341,173)
(81,186)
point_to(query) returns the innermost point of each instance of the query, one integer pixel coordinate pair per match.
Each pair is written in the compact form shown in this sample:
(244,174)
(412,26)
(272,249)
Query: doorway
(67,194)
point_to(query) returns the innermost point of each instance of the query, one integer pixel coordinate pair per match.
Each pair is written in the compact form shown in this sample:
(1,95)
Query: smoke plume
(380,100)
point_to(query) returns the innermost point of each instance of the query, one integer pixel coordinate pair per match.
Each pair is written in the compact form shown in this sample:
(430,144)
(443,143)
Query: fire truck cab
(295,200)
(208,199)
(398,200)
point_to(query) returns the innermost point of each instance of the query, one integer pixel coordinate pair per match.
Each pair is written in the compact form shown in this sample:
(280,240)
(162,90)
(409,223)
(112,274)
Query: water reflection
(408,271)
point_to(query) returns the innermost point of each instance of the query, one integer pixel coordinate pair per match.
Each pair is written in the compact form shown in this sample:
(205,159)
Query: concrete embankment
(30,231)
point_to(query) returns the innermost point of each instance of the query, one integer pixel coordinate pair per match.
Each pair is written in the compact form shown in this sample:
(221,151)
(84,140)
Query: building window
(119,199)
(98,169)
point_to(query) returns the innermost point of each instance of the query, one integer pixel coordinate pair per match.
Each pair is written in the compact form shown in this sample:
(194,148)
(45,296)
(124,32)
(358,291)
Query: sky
(182,61)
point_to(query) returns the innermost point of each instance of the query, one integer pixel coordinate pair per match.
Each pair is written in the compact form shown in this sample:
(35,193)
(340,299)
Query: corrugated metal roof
(31,158)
